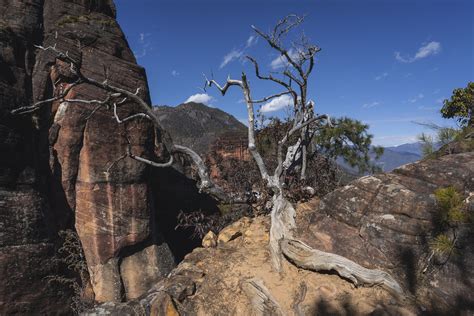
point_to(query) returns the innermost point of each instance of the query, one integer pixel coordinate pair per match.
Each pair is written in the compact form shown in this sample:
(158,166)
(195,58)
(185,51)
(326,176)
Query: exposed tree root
(305,257)
(262,301)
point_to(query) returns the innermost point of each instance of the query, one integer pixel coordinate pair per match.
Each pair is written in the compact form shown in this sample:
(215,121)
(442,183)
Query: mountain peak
(197,125)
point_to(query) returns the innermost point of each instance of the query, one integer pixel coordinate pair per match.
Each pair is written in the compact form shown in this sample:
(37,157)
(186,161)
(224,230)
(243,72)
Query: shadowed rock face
(52,173)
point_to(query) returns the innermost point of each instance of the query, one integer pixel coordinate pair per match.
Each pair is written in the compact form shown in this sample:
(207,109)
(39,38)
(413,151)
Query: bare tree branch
(276,45)
(128,118)
(223,89)
(206,184)
(271,78)
(152,163)
(36,106)
(265,99)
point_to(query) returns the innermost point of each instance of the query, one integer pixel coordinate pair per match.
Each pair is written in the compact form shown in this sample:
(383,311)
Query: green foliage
(225,208)
(450,207)
(427,144)
(451,213)
(444,136)
(86,18)
(448,198)
(442,244)
(461,105)
(350,140)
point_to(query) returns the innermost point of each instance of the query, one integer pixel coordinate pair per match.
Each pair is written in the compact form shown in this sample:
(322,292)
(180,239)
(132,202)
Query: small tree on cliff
(292,147)
(461,106)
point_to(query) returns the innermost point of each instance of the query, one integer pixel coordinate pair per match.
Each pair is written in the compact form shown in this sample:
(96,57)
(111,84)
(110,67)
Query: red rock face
(226,147)
(56,171)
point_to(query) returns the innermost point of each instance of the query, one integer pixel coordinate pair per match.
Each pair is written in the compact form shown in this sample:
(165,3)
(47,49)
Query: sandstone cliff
(384,221)
(53,163)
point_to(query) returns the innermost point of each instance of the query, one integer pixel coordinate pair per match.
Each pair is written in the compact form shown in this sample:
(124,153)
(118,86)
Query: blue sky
(387,63)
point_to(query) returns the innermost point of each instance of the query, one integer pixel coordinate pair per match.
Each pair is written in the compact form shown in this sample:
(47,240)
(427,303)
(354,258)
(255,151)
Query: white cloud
(200,98)
(252,40)
(277,103)
(144,45)
(370,105)
(175,73)
(436,91)
(230,57)
(431,48)
(235,54)
(416,98)
(281,60)
(440,100)
(382,76)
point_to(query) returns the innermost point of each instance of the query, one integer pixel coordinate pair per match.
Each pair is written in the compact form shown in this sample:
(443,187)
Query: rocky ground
(383,221)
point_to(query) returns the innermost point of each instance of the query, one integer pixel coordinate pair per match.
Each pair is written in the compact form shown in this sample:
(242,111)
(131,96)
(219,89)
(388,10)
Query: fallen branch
(308,258)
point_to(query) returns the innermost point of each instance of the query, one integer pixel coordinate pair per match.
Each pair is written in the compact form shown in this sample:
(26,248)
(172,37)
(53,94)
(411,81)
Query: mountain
(197,126)
(413,148)
(392,159)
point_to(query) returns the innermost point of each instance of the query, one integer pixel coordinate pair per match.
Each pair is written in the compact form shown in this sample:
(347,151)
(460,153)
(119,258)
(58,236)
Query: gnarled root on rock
(303,256)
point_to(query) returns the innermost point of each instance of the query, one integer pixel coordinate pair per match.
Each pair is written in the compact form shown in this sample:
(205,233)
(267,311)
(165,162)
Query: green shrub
(451,213)
(87,18)
(442,244)
(448,198)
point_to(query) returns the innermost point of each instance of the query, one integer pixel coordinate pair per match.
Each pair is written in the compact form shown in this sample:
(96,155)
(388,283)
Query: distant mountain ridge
(197,126)
(394,157)
(413,148)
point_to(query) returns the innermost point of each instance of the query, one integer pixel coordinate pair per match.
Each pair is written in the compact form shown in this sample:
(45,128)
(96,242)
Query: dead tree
(305,124)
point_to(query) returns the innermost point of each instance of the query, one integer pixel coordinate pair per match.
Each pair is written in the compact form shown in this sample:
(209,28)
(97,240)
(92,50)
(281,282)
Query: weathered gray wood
(308,258)
(282,224)
(263,303)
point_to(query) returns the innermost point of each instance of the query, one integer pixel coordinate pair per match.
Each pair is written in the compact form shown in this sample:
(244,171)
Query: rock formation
(55,162)
(383,221)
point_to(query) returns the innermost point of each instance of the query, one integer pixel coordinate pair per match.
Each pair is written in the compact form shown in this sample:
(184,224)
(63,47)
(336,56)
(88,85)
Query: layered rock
(27,223)
(388,221)
(55,172)
(383,221)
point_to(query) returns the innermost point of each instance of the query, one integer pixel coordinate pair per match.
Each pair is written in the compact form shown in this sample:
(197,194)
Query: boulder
(209,240)
(387,221)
